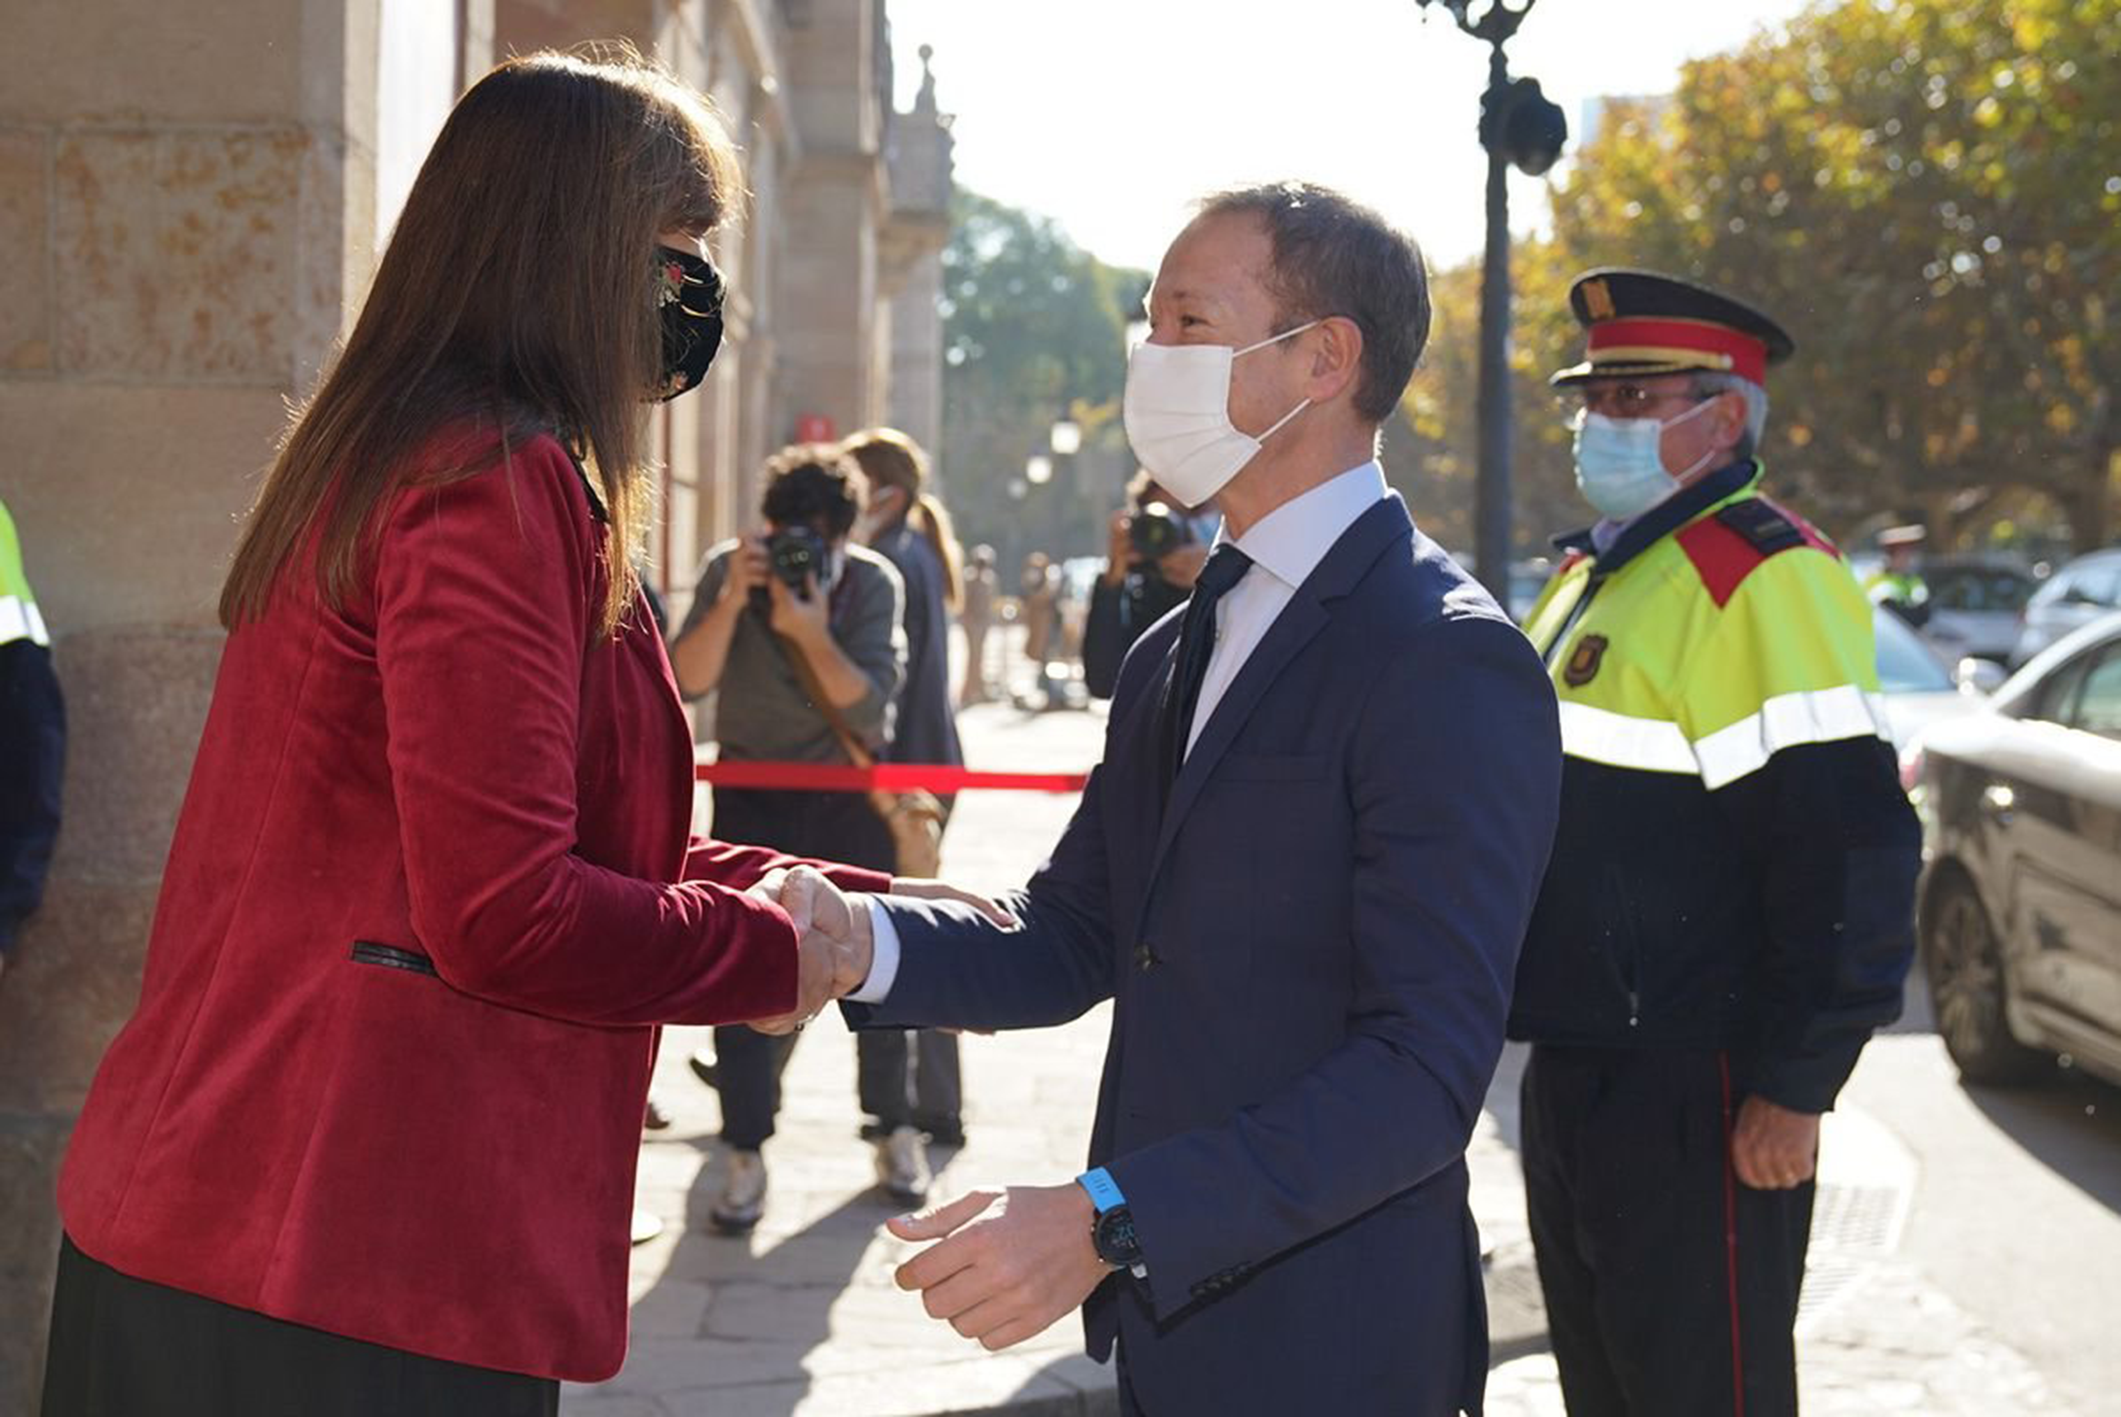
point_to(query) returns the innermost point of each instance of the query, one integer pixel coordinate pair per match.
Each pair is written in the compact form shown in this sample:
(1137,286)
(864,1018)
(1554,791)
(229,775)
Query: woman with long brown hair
(367,1145)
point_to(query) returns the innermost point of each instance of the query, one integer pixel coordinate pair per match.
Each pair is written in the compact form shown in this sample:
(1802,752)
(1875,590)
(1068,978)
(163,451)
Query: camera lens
(1154,532)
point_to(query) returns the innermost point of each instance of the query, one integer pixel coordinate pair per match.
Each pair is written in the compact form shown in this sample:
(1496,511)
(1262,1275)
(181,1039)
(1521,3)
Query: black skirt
(121,1347)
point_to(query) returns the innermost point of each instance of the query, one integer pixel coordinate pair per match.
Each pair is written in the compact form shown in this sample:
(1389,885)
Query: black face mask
(688,294)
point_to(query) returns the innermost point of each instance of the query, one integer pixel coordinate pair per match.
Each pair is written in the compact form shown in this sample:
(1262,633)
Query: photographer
(1156,553)
(773,615)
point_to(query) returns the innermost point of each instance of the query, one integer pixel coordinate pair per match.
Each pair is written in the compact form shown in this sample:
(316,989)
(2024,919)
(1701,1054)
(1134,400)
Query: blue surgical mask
(1618,467)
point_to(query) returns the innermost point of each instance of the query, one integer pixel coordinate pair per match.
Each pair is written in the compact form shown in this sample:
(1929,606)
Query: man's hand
(1119,550)
(1773,1148)
(834,941)
(802,618)
(943,890)
(747,570)
(1007,1264)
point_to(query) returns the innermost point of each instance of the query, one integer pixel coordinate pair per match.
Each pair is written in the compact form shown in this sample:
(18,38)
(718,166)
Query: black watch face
(1115,1237)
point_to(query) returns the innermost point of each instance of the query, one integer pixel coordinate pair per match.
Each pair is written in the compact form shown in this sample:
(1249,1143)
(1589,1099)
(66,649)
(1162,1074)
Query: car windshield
(1978,588)
(1905,664)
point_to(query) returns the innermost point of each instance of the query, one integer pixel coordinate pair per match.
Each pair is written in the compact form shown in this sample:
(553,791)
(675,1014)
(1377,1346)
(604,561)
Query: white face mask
(1177,411)
(1619,468)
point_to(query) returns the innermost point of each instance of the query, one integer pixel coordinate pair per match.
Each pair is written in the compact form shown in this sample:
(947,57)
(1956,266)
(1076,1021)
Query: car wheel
(1967,988)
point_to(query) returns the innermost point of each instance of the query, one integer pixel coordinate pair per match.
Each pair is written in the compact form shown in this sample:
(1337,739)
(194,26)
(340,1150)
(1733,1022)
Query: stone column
(187,204)
(920,165)
(834,199)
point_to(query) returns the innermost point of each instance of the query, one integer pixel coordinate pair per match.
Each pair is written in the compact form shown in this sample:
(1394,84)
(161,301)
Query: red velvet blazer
(431,889)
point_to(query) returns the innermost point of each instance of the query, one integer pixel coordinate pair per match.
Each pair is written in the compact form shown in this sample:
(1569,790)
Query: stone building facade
(191,199)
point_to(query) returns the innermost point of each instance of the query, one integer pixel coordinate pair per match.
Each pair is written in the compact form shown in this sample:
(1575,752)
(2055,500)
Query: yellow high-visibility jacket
(1735,863)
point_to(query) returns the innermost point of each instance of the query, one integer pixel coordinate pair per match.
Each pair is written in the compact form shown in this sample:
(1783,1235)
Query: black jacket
(1119,614)
(32,752)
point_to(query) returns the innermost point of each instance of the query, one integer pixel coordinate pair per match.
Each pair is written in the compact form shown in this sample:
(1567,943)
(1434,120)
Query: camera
(1155,531)
(796,554)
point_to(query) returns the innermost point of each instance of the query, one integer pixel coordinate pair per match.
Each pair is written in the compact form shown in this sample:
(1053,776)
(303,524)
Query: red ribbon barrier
(938,778)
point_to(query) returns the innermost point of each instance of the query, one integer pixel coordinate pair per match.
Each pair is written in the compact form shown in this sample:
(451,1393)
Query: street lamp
(1520,127)
(1066,438)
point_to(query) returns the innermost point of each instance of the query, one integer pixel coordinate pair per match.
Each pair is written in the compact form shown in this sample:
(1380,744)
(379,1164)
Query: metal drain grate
(1853,1227)
(1857,1217)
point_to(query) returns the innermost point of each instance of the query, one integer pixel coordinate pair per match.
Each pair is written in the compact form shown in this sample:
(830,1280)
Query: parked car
(2078,594)
(2020,903)
(1919,687)
(1974,607)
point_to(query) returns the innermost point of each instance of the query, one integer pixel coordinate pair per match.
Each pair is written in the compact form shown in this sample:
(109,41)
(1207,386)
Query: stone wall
(180,248)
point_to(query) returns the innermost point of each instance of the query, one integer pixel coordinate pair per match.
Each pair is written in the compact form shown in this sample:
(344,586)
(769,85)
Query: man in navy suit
(1302,871)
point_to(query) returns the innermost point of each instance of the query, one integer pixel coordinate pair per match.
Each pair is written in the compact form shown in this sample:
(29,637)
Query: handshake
(835,944)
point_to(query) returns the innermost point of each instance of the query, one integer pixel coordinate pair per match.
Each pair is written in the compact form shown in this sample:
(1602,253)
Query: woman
(368,1143)
(912,530)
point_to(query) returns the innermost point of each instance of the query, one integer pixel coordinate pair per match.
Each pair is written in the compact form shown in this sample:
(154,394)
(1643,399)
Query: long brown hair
(891,459)
(516,296)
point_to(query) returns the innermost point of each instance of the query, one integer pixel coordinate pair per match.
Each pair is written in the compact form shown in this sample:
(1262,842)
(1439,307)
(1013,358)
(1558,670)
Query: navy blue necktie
(1196,643)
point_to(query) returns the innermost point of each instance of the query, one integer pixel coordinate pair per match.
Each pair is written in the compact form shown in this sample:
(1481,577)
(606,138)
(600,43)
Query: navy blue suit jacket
(1311,948)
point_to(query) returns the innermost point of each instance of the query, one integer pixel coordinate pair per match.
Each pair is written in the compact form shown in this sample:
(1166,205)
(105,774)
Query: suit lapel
(1307,612)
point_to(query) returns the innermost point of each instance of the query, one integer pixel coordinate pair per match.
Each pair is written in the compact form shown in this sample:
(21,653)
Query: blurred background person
(910,528)
(792,629)
(1155,555)
(1898,585)
(1038,611)
(981,593)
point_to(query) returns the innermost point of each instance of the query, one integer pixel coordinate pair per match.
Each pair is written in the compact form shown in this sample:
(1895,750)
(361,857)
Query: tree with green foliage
(1034,331)
(1927,193)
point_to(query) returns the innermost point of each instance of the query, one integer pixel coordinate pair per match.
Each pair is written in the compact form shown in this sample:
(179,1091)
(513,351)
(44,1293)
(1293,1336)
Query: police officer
(32,743)
(1897,585)
(1728,910)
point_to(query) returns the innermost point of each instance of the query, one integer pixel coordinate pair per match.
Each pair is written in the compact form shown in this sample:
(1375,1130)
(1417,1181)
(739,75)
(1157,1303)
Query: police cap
(1640,322)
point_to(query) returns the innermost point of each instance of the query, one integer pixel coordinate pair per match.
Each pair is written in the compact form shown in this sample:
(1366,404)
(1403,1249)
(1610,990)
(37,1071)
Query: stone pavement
(802,1318)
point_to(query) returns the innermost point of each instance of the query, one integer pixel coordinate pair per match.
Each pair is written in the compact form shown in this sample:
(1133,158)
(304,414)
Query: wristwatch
(1112,1233)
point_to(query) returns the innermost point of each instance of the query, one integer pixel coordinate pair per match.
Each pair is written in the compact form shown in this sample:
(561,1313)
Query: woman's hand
(943,890)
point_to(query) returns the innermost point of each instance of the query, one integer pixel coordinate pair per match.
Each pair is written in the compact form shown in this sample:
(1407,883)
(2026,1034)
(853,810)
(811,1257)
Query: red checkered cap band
(1706,346)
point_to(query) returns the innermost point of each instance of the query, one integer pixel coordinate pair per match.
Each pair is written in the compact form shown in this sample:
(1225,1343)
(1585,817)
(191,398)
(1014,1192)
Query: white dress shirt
(1284,546)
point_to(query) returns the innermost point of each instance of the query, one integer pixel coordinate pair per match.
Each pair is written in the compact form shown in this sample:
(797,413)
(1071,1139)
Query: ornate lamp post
(1520,127)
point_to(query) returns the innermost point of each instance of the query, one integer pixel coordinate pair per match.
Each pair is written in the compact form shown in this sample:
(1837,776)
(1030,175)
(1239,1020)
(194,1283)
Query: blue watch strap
(1104,1191)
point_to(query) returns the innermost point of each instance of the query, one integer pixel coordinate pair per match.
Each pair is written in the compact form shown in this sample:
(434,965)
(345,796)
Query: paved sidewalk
(802,1318)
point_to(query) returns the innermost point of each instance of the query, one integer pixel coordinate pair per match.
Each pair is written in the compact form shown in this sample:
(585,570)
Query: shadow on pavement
(2071,1123)
(740,1317)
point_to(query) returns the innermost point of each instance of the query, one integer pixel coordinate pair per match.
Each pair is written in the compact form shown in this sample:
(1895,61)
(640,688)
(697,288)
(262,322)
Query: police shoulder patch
(1729,544)
(1584,660)
(1763,525)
